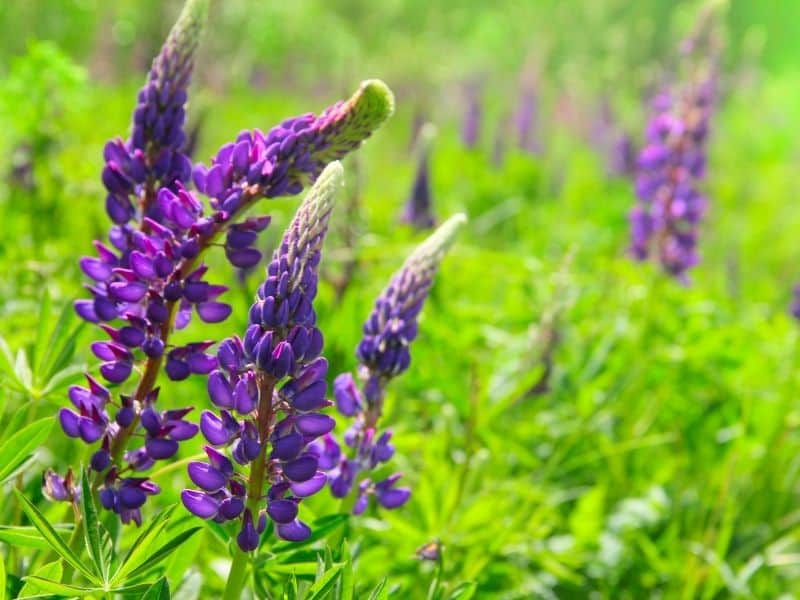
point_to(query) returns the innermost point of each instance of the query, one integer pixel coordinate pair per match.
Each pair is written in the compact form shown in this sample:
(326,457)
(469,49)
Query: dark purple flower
(384,354)
(281,346)
(418,208)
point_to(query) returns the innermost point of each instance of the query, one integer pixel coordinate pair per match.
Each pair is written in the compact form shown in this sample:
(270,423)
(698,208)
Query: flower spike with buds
(383,354)
(268,392)
(150,279)
(667,217)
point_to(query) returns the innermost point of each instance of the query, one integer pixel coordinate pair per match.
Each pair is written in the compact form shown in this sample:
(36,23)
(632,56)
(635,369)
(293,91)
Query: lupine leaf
(464,591)
(139,551)
(347,583)
(163,552)
(54,587)
(54,540)
(16,449)
(324,584)
(2,579)
(158,591)
(92,528)
(27,537)
(51,571)
(380,592)
(42,339)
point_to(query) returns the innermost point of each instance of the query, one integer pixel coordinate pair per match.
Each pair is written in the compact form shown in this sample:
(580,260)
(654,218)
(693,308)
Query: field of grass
(573,424)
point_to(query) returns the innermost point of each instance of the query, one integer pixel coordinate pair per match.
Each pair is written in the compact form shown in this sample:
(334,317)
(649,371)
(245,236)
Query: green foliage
(572,424)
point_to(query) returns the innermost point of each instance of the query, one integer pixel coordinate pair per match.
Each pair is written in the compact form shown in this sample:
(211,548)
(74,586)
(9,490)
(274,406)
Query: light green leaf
(380,592)
(50,572)
(27,537)
(324,584)
(158,591)
(16,449)
(54,540)
(91,528)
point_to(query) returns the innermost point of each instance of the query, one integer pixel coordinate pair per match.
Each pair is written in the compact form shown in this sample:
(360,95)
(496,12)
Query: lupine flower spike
(383,354)
(150,280)
(268,392)
(666,220)
(418,210)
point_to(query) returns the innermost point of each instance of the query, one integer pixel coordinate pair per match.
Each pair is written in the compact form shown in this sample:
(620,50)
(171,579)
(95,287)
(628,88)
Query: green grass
(572,423)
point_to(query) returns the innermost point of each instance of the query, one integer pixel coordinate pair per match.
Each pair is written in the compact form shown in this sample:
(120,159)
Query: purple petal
(213,312)
(310,487)
(199,504)
(296,531)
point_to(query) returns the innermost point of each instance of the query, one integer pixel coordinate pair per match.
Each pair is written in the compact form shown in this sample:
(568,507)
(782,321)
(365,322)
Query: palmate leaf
(147,551)
(140,550)
(16,449)
(92,529)
(51,571)
(48,586)
(54,540)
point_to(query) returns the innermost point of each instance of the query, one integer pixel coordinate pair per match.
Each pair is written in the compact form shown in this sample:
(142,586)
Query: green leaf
(324,584)
(140,550)
(163,552)
(380,592)
(347,584)
(50,571)
(92,529)
(43,341)
(16,449)
(54,540)
(158,591)
(42,584)
(2,579)
(464,591)
(27,537)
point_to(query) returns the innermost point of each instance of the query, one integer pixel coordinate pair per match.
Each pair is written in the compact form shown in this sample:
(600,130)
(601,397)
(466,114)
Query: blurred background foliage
(572,423)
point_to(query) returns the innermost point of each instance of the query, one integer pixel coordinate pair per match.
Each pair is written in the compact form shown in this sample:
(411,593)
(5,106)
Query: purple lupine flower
(473,114)
(526,120)
(612,142)
(269,390)
(151,279)
(418,208)
(383,354)
(672,163)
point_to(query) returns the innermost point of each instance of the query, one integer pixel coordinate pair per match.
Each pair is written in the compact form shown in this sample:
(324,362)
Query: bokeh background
(574,424)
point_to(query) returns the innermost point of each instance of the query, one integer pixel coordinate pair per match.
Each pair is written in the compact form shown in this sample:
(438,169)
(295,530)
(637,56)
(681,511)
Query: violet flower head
(383,354)
(150,279)
(671,165)
(269,391)
(418,210)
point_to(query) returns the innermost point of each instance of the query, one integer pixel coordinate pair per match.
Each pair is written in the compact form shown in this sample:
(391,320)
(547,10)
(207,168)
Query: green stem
(237,576)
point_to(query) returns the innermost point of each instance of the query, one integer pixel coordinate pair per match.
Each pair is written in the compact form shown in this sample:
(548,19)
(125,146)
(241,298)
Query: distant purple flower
(383,354)
(670,166)
(472,117)
(418,208)
(526,120)
(269,389)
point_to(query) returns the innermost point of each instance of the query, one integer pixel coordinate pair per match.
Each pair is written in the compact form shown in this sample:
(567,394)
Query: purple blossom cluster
(383,354)
(671,165)
(472,117)
(150,279)
(418,210)
(268,391)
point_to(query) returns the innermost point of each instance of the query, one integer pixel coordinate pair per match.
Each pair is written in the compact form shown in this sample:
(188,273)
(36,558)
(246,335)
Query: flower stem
(255,487)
